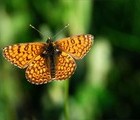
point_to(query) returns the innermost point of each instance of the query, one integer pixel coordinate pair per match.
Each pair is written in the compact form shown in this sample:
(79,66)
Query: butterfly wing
(76,46)
(65,66)
(38,71)
(22,54)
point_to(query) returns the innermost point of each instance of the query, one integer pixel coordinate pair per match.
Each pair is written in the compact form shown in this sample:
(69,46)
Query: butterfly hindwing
(65,66)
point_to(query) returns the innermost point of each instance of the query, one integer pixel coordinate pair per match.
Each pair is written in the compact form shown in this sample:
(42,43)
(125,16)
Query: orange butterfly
(51,60)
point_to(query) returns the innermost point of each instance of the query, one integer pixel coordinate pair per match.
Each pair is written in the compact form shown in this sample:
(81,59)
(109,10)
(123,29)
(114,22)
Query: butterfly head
(49,40)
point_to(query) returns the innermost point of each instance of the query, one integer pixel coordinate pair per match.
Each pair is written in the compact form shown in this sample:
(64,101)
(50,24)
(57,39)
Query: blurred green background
(106,84)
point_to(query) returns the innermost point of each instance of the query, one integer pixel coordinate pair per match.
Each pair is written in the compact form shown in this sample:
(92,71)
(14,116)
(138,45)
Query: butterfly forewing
(65,66)
(76,46)
(38,72)
(22,54)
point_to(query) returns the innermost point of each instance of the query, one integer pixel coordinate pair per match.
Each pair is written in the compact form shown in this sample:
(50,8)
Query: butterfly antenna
(38,31)
(61,30)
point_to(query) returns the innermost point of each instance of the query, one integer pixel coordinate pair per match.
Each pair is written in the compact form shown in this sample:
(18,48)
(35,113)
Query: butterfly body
(51,60)
(51,52)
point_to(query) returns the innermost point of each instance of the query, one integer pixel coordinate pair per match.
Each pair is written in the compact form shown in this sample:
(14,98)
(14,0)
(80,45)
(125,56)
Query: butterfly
(49,61)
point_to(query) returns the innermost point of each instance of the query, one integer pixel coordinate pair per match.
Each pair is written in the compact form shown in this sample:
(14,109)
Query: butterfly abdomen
(52,66)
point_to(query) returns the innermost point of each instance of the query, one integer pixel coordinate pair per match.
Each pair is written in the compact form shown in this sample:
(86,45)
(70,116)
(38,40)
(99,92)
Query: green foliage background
(106,84)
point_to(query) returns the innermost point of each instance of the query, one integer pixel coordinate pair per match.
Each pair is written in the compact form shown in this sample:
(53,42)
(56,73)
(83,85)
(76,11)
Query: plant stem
(66,102)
